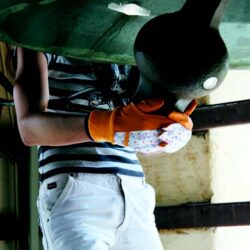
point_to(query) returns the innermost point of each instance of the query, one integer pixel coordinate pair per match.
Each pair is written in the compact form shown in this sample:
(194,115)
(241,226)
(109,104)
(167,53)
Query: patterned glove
(169,139)
(137,125)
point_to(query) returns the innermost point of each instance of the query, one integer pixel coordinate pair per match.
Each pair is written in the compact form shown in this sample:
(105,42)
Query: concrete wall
(181,177)
(231,161)
(213,167)
(200,239)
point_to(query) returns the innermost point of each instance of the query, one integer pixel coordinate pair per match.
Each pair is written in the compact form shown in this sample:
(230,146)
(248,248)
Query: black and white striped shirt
(77,86)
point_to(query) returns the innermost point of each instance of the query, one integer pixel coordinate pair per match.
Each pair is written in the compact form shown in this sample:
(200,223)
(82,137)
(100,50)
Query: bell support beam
(203,215)
(219,115)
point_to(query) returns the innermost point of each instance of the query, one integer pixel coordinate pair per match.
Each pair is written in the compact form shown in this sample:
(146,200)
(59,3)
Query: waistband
(114,180)
(96,171)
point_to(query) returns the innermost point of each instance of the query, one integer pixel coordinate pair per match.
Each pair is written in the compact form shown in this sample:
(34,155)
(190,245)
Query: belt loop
(73,175)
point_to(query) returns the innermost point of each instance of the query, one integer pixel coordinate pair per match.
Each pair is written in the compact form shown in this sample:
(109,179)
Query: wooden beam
(203,215)
(218,115)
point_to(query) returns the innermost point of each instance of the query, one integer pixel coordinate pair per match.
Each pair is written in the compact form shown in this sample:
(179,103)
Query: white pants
(97,212)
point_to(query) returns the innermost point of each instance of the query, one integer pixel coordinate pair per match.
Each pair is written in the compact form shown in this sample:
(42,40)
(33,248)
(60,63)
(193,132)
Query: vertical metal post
(23,197)
(33,192)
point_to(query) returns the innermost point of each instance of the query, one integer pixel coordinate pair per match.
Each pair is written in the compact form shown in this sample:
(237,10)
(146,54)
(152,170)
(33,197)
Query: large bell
(181,52)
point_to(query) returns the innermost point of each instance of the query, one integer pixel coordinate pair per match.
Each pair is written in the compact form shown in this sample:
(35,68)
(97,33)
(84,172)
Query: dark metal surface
(8,227)
(218,115)
(203,215)
(23,196)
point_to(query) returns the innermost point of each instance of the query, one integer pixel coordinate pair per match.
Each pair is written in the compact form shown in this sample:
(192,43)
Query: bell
(182,53)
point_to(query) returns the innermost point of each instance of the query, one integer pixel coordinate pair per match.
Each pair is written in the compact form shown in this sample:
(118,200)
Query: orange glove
(103,125)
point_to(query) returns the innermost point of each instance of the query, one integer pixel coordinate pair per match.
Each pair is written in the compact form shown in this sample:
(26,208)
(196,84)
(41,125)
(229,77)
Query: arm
(31,93)
(39,127)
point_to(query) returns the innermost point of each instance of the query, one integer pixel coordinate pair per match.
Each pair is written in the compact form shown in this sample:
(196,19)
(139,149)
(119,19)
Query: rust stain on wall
(181,177)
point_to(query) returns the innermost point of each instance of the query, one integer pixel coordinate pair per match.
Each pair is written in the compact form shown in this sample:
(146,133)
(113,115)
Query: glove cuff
(86,126)
(100,126)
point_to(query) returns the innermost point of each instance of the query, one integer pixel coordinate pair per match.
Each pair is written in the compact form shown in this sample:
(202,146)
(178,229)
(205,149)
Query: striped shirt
(78,87)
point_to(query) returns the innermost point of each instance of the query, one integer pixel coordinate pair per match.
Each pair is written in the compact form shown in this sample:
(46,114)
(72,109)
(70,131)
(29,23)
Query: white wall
(231,161)
(200,239)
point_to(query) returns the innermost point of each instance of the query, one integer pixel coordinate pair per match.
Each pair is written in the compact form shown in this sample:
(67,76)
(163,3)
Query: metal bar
(218,115)
(203,215)
(23,196)
(6,102)
(33,192)
(219,13)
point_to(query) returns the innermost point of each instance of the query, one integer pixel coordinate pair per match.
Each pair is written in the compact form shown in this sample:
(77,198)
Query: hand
(167,140)
(125,122)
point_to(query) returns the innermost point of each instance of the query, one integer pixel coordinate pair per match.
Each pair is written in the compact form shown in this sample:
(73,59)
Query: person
(88,121)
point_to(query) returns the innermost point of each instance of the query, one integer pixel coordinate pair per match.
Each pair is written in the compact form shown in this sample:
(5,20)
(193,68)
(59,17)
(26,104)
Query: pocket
(56,195)
(62,195)
(92,202)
